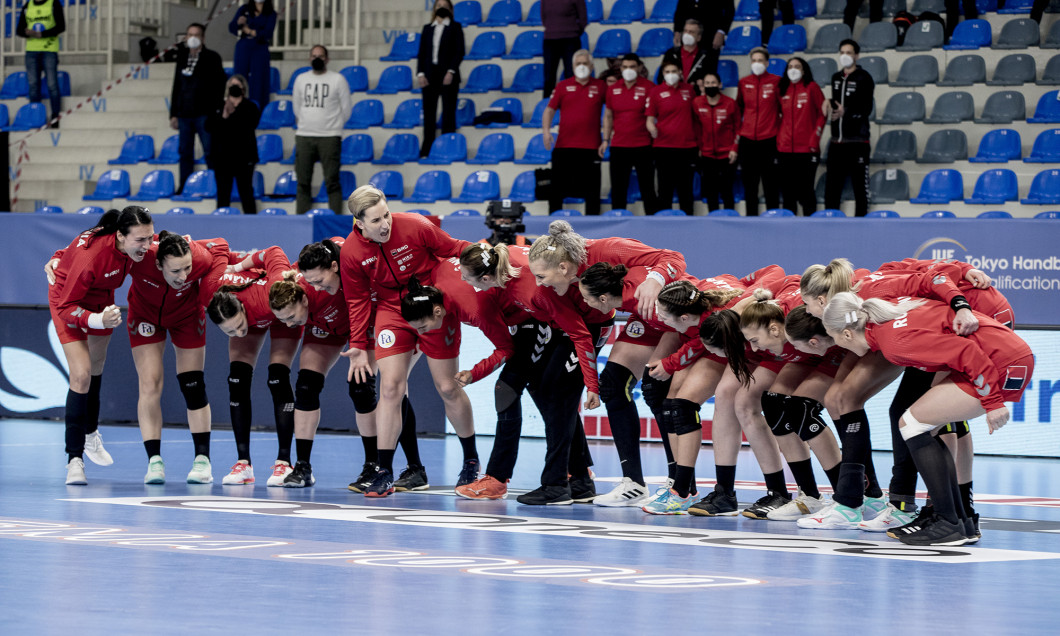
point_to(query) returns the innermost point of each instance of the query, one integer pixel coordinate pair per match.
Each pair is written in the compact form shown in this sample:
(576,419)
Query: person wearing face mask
(688,56)
(234,151)
(715,19)
(767,9)
(799,141)
(41,22)
(253,24)
(758,100)
(625,129)
(564,22)
(438,71)
(673,129)
(576,158)
(848,151)
(321,106)
(719,122)
(198,88)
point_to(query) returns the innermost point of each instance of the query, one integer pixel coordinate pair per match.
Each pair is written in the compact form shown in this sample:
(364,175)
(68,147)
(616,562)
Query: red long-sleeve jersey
(478,309)
(802,119)
(271,262)
(414,248)
(758,98)
(635,276)
(718,126)
(987,301)
(151,295)
(89,271)
(633,253)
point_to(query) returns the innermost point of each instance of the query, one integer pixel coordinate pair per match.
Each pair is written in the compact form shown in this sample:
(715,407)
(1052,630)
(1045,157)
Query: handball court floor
(119,557)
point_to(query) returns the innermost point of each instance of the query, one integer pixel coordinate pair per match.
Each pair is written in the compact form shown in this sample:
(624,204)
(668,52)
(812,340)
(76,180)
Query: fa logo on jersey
(635,329)
(386,339)
(319,333)
(145,329)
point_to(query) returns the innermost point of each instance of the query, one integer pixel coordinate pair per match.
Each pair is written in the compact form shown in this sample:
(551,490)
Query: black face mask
(235,91)
(443,13)
(318,64)
(711,91)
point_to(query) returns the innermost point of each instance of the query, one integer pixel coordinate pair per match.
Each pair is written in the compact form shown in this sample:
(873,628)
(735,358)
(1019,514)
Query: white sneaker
(94,449)
(242,473)
(874,506)
(280,470)
(797,508)
(891,517)
(75,472)
(156,471)
(626,493)
(835,517)
(201,471)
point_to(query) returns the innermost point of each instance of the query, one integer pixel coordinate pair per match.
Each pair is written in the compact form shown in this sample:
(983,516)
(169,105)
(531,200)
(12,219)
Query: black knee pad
(805,417)
(280,386)
(504,396)
(307,390)
(239,377)
(683,416)
(960,429)
(363,395)
(616,385)
(654,391)
(774,408)
(193,386)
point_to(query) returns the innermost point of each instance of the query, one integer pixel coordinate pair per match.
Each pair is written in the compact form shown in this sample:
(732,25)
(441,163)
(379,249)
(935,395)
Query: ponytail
(848,311)
(762,312)
(827,280)
(721,330)
(321,255)
(285,292)
(420,300)
(562,245)
(603,279)
(170,244)
(482,260)
(122,220)
(800,325)
(682,297)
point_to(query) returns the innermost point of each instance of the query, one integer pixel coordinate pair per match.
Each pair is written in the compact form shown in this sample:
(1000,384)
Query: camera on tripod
(505,218)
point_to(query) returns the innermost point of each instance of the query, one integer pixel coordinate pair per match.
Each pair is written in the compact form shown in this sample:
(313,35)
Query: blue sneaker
(382,484)
(669,503)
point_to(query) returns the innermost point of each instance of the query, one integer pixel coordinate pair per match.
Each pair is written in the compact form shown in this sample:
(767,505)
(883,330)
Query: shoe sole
(200,481)
(584,500)
(77,482)
(751,515)
(548,503)
(154,482)
(699,512)
(270,484)
(482,497)
(237,483)
(376,495)
(668,512)
(413,489)
(630,503)
(866,529)
(950,543)
(357,489)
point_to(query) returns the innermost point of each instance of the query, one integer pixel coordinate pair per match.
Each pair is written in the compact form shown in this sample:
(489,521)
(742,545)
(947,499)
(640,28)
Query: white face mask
(581,71)
(688,39)
(629,74)
(846,61)
(757,68)
(672,78)
(794,74)
(193,42)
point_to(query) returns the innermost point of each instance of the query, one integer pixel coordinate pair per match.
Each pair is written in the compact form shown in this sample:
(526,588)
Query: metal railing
(334,23)
(89,30)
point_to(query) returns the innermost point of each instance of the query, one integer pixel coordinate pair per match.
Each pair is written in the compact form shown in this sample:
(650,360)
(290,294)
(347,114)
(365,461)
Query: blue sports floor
(119,557)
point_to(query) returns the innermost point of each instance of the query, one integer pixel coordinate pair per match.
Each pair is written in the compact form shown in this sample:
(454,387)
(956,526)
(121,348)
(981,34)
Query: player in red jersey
(380,255)
(241,309)
(81,300)
(982,371)
(169,292)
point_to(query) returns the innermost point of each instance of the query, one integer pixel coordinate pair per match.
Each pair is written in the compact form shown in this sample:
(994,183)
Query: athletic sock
(872,484)
(850,487)
(408,440)
(802,471)
(371,450)
(201,442)
(153,447)
(283,409)
(833,475)
(625,430)
(467,444)
(692,488)
(966,499)
(931,460)
(76,407)
(92,416)
(304,448)
(683,481)
(726,478)
(671,465)
(776,482)
(386,459)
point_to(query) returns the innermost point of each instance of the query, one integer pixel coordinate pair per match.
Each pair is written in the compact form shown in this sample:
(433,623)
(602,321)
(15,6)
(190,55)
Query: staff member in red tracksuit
(81,300)
(758,99)
(625,129)
(799,141)
(673,131)
(719,123)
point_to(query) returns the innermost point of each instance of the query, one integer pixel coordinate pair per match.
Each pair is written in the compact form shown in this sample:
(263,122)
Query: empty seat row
(505,12)
(16,85)
(992,187)
(946,146)
(1002,107)
(202,184)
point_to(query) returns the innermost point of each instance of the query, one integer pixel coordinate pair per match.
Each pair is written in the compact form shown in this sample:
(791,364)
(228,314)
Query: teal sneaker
(873,507)
(201,471)
(836,517)
(669,503)
(156,471)
(890,518)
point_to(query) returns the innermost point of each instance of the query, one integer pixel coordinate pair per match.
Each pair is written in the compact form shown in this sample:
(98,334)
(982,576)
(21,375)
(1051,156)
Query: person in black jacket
(715,18)
(689,56)
(767,9)
(850,13)
(234,147)
(198,88)
(438,71)
(848,151)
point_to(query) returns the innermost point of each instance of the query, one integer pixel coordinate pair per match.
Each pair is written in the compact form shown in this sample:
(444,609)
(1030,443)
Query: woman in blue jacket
(253,24)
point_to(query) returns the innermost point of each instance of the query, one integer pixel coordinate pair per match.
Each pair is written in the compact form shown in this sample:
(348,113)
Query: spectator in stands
(611,76)
(234,147)
(689,58)
(672,128)
(41,22)
(802,117)
(953,14)
(253,24)
(850,13)
(715,19)
(848,151)
(625,129)
(1037,9)
(322,105)
(719,122)
(198,88)
(438,71)
(767,8)
(564,22)
(576,159)
(758,99)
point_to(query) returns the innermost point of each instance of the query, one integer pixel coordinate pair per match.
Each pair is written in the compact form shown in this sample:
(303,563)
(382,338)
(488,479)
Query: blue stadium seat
(5,119)
(430,187)
(356,78)
(1017,6)
(503,13)
(741,40)
(136,148)
(883,214)
(940,186)
(15,85)
(392,80)
(157,184)
(180,211)
(348,182)
(670,212)
(465,212)
(805,9)
(270,148)
(747,11)
(286,187)
(446,149)
(390,182)
(969,35)
(533,16)
(420,212)
(511,104)
(1045,189)
(275,84)
(257,184)
(169,153)
(788,38)
(494,148)
(566,213)
(625,12)
(405,47)
(527,45)
(655,42)
(938,214)
(357,148)
(829,214)
(278,114)
(993,214)
(486,45)
(530,78)
(227,211)
(409,114)
(536,153)
(594,10)
(112,184)
(662,12)
(723,212)
(468,13)
(290,82)
(479,187)
(777,213)
(401,148)
(32,116)
(90,209)
(524,187)
(776,66)
(1020,34)
(613,43)
(465,112)
(273,212)
(1046,147)
(728,73)
(618,211)
(64,86)
(52,209)
(539,111)
(365,114)
(320,212)
(200,185)
(1047,112)
(998,146)
(485,78)
(1051,214)
(994,186)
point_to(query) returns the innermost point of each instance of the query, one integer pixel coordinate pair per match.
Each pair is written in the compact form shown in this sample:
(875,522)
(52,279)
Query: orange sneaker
(485,487)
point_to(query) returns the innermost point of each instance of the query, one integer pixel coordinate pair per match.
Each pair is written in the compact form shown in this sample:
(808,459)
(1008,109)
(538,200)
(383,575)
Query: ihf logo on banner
(38,384)
(1019,275)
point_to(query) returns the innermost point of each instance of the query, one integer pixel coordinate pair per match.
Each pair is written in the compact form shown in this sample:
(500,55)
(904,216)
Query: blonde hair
(763,311)
(682,297)
(363,198)
(285,292)
(562,245)
(480,259)
(828,280)
(847,310)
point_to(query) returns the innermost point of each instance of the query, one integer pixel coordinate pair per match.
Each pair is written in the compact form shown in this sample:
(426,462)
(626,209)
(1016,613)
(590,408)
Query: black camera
(505,218)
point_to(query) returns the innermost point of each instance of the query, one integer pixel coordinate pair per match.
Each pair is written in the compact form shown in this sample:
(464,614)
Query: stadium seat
(89,209)
(286,187)
(465,112)
(5,119)
(819,190)
(833,9)
(728,73)
(1019,34)
(29,117)
(409,114)
(805,9)
(466,212)
(655,42)
(277,115)
(365,114)
(828,37)
(625,12)
(15,85)
(613,43)
(883,214)
(1052,214)
(617,212)
(273,212)
(530,78)
(940,186)
(400,148)
(157,184)
(357,148)
(503,13)
(747,11)
(320,212)
(776,66)
(1051,72)
(1052,39)
(823,68)
(356,78)
(511,104)
(594,10)
(917,70)
(965,70)
(180,211)
(920,6)
(1046,147)
(993,214)
(1047,111)
(290,82)
(938,214)
(405,47)
(788,38)
(392,80)
(274,80)
(54,209)
(895,146)
(227,211)
(390,182)
(777,213)
(347,181)
(493,149)
(741,40)
(890,8)
(270,148)
(524,187)
(533,15)
(994,187)
(662,12)
(169,153)
(879,36)
(567,213)
(112,184)
(632,192)
(257,185)
(723,212)
(1014,70)
(527,45)
(536,153)
(430,187)
(200,185)
(922,36)
(876,66)
(539,111)
(485,78)
(479,187)
(888,186)
(903,108)
(1045,189)
(446,149)
(945,146)
(1003,107)
(487,45)
(951,108)
(829,214)
(998,146)
(970,35)
(136,148)
(469,12)
(670,212)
